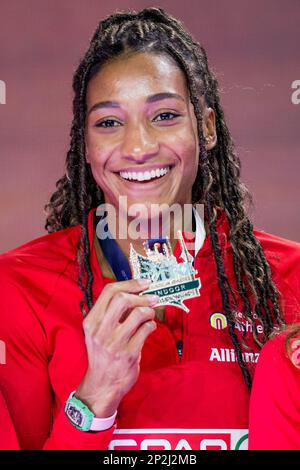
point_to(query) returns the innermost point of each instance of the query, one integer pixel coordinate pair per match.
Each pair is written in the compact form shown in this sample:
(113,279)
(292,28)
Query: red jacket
(274,420)
(198,401)
(8,438)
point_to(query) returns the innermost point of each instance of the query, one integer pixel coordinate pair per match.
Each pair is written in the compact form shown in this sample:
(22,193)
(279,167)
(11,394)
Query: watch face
(75,415)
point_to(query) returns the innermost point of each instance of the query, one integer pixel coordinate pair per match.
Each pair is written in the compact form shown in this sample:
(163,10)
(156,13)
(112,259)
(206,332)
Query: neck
(139,231)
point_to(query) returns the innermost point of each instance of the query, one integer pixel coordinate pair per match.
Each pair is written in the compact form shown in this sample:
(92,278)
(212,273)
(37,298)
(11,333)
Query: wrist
(103,408)
(80,415)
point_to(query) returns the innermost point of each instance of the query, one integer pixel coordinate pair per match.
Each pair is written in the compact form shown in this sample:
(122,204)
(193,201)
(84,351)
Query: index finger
(109,290)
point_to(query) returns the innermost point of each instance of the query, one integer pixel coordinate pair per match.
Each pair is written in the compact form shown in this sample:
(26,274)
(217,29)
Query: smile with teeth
(144,175)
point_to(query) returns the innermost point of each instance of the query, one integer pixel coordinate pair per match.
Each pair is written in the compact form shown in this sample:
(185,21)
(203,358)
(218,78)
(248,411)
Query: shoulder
(274,403)
(275,369)
(39,260)
(277,247)
(29,276)
(283,256)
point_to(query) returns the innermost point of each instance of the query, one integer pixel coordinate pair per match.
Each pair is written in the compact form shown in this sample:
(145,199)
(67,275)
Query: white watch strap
(101,424)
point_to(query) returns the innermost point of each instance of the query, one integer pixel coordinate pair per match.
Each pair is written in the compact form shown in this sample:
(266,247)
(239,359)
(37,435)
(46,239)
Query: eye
(108,123)
(166,116)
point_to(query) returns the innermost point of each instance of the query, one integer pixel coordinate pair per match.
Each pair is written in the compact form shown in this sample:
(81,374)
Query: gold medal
(172,281)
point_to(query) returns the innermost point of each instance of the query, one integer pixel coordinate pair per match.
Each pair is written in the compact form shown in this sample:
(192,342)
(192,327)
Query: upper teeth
(144,175)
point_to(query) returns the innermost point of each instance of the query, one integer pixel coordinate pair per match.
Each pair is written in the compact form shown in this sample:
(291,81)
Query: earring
(208,139)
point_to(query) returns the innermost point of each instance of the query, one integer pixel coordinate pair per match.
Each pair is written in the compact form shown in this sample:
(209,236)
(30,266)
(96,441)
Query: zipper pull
(179,346)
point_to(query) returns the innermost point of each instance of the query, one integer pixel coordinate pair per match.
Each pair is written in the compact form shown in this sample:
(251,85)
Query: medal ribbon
(117,259)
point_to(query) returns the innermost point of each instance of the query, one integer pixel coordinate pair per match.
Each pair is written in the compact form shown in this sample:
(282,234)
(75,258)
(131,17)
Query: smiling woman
(85,351)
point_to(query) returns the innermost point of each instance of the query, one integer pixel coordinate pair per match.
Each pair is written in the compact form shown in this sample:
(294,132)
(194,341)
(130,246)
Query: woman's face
(141,131)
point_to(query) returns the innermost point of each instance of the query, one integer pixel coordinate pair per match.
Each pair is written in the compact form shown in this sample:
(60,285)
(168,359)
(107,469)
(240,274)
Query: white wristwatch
(83,418)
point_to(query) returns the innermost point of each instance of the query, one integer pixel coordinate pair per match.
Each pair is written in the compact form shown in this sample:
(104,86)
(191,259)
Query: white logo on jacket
(179,439)
(229,355)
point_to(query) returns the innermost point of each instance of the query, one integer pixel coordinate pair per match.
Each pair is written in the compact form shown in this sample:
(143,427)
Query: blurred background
(253,48)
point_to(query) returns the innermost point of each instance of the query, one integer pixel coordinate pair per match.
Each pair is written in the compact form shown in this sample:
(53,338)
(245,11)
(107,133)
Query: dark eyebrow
(150,99)
(163,96)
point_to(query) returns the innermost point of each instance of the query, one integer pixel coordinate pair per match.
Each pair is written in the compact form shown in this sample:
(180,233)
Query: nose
(139,144)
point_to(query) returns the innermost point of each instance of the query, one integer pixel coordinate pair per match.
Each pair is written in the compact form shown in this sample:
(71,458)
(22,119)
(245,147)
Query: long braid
(84,202)
(225,288)
(217,183)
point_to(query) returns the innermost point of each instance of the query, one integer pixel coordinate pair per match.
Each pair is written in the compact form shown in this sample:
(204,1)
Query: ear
(209,128)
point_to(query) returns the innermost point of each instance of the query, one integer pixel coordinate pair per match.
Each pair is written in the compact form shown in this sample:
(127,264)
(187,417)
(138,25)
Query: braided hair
(217,184)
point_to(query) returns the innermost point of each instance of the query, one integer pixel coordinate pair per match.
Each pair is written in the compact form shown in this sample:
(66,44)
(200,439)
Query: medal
(172,281)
